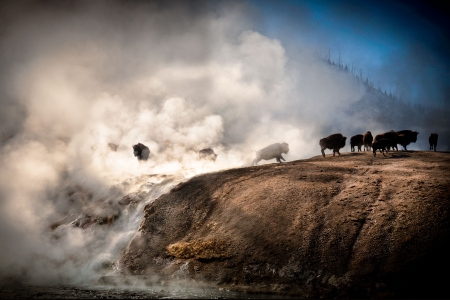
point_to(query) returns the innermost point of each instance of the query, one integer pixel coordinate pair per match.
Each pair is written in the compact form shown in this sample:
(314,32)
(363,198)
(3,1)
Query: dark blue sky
(401,46)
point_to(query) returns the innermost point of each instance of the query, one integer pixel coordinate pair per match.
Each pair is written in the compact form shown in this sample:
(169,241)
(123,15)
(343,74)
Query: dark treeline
(396,112)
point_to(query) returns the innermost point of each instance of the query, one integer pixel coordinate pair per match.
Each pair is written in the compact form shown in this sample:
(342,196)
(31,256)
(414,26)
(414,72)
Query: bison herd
(382,142)
(142,152)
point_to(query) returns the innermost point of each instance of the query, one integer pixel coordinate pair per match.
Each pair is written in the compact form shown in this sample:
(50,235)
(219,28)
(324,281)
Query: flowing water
(98,257)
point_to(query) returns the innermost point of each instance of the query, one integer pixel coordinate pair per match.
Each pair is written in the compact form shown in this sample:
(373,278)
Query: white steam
(177,82)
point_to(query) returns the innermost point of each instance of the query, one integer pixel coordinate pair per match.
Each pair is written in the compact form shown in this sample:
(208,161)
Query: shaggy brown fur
(381,145)
(409,137)
(392,136)
(356,140)
(367,140)
(334,142)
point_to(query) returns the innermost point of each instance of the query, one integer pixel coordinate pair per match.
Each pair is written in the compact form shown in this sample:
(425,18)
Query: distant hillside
(396,112)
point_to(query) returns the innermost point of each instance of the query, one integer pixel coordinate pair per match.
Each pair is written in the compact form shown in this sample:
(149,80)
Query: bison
(393,137)
(334,142)
(409,137)
(271,151)
(381,145)
(433,139)
(356,140)
(367,140)
(141,151)
(207,154)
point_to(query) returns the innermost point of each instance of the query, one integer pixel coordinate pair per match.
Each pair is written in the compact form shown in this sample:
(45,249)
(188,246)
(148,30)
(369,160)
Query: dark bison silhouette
(409,137)
(393,137)
(207,154)
(433,139)
(356,140)
(380,144)
(367,140)
(334,142)
(141,151)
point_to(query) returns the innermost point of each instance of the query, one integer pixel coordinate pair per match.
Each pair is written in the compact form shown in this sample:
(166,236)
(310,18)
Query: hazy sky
(398,44)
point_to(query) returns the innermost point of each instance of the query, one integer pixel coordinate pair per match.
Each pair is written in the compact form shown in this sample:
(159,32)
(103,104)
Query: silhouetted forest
(393,111)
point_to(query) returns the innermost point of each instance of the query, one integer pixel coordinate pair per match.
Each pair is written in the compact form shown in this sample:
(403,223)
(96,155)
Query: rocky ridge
(347,226)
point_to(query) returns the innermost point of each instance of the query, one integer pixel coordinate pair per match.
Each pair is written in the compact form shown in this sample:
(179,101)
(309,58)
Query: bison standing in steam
(433,139)
(367,140)
(409,137)
(334,142)
(141,151)
(207,154)
(356,140)
(270,152)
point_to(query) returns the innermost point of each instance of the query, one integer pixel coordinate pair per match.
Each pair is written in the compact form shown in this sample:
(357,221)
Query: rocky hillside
(347,226)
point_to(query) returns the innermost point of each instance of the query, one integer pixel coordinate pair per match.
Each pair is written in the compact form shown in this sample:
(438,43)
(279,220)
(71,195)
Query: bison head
(136,150)
(285,147)
(414,136)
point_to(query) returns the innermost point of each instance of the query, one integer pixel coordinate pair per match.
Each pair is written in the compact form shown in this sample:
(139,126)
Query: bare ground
(347,226)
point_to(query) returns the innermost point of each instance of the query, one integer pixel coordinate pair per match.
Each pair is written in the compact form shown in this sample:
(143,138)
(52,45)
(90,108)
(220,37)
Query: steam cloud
(175,77)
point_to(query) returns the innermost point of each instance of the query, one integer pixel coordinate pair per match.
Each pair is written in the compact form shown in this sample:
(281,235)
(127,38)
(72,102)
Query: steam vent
(347,226)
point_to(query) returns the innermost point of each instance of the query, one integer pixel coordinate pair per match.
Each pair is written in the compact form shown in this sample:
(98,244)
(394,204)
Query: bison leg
(256,160)
(359,148)
(323,152)
(279,158)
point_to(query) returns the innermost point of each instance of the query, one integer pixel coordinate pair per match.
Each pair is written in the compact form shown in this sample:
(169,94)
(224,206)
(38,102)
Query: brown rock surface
(347,226)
